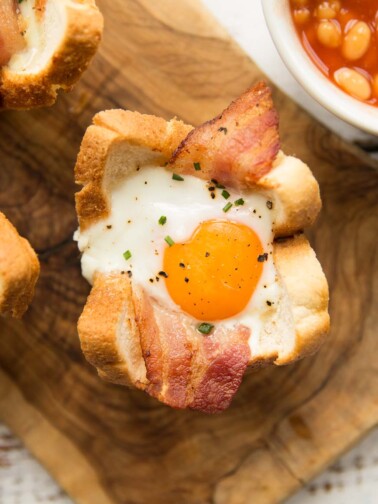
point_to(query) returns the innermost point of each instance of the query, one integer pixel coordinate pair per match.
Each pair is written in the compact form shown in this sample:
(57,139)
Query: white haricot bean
(329,33)
(356,41)
(328,10)
(353,83)
(302,15)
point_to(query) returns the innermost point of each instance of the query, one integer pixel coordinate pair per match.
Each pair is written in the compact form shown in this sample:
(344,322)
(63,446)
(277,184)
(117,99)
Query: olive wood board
(107,444)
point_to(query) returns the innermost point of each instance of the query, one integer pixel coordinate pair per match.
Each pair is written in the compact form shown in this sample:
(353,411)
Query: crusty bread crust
(111,133)
(307,288)
(110,311)
(19,271)
(110,306)
(70,60)
(143,139)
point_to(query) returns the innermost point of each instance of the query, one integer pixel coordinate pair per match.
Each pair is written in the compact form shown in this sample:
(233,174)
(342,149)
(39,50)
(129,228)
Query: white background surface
(353,479)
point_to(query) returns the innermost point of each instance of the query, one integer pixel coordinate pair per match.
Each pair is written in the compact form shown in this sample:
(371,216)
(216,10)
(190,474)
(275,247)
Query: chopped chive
(205,328)
(225,194)
(162,220)
(197,166)
(239,202)
(177,177)
(227,207)
(169,240)
(127,255)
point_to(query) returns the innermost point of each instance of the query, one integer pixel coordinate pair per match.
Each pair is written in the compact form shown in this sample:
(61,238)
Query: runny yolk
(214,274)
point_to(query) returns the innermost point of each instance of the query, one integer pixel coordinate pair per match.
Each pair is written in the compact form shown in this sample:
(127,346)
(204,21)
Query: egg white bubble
(133,225)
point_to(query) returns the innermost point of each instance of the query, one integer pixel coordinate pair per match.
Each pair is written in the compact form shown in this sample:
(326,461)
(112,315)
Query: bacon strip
(236,148)
(220,367)
(11,40)
(185,368)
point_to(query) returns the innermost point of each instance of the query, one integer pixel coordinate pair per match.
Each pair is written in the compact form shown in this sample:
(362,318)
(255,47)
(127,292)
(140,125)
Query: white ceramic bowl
(282,29)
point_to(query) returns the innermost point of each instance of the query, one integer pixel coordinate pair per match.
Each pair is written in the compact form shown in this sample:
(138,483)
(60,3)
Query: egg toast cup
(73,47)
(112,326)
(19,271)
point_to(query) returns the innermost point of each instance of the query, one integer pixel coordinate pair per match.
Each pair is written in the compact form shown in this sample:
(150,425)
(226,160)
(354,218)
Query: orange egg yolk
(214,274)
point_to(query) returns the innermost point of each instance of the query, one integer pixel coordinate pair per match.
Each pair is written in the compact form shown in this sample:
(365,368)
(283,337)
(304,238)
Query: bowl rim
(281,26)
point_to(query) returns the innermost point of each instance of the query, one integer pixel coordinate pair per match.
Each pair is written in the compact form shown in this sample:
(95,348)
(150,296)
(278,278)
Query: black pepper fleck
(262,257)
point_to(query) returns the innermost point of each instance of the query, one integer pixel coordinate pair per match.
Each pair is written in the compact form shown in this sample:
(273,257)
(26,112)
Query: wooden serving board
(106,444)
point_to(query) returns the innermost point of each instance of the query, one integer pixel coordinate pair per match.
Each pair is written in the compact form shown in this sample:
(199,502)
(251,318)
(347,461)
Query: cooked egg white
(133,228)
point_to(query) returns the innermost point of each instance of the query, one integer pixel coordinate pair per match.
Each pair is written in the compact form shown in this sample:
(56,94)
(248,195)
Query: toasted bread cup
(131,338)
(19,271)
(60,37)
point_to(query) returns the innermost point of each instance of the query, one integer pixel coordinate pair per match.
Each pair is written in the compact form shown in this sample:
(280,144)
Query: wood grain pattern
(108,444)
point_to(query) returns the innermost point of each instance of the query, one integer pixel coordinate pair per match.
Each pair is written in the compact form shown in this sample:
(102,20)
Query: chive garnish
(239,202)
(197,166)
(205,328)
(225,194)
(177,177)
(227,207)
(162,220)
(127,255)
(169,240)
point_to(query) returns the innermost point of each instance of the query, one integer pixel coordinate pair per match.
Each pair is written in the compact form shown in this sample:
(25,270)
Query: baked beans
(341,37)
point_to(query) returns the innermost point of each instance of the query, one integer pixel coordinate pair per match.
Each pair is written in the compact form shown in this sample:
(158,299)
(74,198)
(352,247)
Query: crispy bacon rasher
(185,368)
(11,39)
(236,148)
